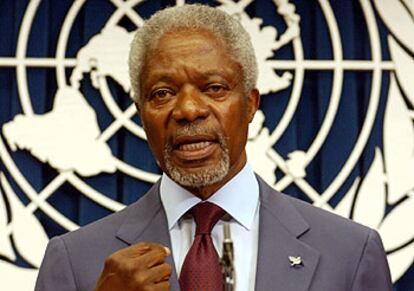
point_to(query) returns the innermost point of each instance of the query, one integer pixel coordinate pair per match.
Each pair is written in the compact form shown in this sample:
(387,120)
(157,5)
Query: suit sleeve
(56,273)
(372,273)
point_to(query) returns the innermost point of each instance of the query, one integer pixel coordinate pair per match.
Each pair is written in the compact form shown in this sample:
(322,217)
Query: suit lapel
(146,222)
(280,228)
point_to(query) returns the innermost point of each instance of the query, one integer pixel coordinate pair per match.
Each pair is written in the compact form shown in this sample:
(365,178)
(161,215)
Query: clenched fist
(139,267)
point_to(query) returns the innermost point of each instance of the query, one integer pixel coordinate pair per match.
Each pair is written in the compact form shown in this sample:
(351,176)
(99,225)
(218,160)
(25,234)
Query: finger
(162,286)
(160,273)
(120,258)
(155,275)
(135,250)
(144,247)
(151,258)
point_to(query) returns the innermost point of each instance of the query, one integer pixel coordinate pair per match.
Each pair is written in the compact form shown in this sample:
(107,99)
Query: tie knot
(206,215)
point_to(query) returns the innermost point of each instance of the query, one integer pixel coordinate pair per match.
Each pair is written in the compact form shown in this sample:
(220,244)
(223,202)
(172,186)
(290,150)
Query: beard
(204,177)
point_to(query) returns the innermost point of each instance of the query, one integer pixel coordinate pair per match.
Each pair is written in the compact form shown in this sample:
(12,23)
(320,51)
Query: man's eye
(162,94)
(215,89)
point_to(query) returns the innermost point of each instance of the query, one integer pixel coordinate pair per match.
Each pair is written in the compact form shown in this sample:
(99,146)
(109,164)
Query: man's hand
(138,267)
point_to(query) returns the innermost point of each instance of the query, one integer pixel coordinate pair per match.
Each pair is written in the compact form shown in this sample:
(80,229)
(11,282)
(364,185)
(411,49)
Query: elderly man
(193,73)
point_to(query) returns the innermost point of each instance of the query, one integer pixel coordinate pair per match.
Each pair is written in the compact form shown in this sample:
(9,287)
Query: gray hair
(194,17)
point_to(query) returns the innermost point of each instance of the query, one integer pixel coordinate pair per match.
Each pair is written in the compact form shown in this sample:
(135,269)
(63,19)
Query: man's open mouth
(194,147)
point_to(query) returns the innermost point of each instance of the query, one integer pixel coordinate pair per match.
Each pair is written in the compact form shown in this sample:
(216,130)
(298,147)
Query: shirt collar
(239,197)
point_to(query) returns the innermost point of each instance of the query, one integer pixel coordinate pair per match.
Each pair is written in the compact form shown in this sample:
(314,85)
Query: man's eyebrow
(162,77)
(218,75)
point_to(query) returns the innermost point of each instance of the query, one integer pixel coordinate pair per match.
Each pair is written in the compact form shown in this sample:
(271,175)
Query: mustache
(193,129)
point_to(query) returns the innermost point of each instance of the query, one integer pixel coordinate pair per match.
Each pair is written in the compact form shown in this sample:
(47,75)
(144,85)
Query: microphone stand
(226,262)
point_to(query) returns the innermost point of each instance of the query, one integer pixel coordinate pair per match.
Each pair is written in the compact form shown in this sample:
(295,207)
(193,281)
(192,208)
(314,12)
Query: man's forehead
(198,51)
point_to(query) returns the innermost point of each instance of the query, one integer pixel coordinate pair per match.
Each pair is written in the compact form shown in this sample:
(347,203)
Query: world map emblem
(78,140)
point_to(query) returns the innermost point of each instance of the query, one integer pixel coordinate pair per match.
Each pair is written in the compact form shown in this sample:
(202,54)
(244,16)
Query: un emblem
(91,123)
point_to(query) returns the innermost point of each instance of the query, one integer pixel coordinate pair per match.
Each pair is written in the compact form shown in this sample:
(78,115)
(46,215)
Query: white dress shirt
(240,199)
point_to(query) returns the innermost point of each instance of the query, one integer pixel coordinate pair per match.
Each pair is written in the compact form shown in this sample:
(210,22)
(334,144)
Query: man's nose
(190,105)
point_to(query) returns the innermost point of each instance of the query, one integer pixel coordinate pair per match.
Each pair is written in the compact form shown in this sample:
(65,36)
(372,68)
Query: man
(193,73)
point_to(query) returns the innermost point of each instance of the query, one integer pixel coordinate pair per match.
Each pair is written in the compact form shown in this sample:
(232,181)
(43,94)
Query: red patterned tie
(201,268)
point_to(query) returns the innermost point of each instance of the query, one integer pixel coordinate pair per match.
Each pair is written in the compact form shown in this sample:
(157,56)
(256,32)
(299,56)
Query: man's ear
(137,107)
(253,103)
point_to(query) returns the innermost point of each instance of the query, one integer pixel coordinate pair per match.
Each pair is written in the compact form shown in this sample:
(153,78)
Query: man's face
(195,110)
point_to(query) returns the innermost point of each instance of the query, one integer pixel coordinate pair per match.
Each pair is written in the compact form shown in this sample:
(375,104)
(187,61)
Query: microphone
(227,260)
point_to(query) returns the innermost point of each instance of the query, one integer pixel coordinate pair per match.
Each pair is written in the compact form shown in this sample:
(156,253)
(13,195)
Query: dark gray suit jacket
(337,254)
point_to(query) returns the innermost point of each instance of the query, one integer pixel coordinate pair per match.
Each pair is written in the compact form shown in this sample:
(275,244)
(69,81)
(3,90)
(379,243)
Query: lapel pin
(295,261)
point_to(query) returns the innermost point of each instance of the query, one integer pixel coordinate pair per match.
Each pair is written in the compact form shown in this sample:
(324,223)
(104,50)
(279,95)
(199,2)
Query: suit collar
(281,209)
(280,228)
(141,214)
